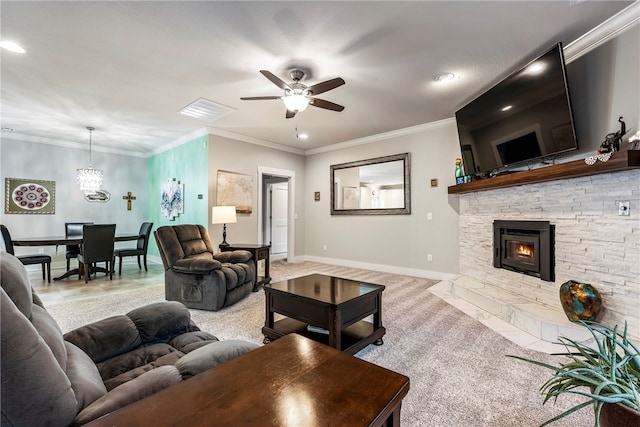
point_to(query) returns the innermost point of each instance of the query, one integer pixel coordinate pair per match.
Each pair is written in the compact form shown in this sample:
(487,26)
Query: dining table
(61,240)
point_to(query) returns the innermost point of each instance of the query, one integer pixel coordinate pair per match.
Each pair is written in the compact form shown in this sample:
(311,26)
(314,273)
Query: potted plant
(606,372)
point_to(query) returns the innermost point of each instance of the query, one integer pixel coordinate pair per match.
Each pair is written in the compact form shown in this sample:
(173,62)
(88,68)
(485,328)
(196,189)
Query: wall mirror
(379,186)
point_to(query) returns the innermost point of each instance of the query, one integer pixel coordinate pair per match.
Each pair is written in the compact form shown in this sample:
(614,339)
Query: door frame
(291,203)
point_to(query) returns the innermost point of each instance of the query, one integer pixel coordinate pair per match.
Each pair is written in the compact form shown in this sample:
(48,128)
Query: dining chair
(139,250)
(98,242)
(27,259)
(73,230)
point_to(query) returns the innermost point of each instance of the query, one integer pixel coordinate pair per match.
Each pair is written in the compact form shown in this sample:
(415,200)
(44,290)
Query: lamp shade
(223,215)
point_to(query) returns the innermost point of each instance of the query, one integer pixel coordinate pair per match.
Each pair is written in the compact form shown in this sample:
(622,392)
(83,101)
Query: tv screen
(523,119)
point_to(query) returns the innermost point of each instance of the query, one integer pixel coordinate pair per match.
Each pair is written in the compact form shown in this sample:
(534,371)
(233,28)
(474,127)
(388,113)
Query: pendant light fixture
(90,179)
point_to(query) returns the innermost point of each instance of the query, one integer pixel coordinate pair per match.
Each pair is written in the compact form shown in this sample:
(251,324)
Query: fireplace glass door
(521,252)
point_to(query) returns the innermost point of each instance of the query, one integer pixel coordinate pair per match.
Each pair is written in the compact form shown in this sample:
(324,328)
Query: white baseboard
(426,274)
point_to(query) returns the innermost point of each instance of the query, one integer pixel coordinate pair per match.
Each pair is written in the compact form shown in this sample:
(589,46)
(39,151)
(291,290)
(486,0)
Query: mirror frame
(391,211)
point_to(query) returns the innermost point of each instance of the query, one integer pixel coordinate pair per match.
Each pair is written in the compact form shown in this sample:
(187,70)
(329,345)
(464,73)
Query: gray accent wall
(24,159)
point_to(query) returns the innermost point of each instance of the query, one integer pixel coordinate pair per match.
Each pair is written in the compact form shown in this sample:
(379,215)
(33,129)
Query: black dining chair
(98,241)
(139,250)
(43,259)
(73,230)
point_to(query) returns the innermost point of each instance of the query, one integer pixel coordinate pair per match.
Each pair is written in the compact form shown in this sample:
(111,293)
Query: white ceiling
(126,68)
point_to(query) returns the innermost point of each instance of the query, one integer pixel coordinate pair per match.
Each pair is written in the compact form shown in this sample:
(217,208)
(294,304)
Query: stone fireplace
(593,244)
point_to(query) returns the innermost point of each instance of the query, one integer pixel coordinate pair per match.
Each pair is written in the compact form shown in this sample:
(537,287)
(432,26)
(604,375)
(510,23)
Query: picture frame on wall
(29,196)
(235,189)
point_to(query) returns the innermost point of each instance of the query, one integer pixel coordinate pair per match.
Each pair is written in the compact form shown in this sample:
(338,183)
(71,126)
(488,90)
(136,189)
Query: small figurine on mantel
(612,140)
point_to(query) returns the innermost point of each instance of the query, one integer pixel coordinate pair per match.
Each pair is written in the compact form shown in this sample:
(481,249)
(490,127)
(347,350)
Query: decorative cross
(128,198)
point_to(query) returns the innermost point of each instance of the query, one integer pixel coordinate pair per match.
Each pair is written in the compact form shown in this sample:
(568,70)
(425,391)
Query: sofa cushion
(160,322)
(212,355)
(84,377)
(135,358)
(106,338)
(168,359)
(31,376)
(192,340)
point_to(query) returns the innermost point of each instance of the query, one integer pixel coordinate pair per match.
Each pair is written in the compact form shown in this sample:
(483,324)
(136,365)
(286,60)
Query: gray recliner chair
(59,380)
(195,276)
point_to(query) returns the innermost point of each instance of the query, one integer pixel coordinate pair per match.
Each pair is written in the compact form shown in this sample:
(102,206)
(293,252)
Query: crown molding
(383,136)
(68,144)
(609,29)
(255,141)
(178,142)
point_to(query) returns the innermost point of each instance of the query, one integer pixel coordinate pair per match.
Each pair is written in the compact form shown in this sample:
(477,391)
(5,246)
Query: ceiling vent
(206,110)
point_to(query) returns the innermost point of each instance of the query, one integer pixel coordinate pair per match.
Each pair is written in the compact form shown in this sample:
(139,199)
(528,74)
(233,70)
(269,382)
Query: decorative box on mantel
(619,161)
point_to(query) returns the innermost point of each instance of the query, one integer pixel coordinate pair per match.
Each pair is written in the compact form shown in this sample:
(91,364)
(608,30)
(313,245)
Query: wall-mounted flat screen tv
(523,119)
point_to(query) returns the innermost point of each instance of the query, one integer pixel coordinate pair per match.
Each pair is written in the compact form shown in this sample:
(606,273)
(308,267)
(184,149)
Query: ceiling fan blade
(327,105)
(275,80)
(259,98)
(290,114)
(325,86)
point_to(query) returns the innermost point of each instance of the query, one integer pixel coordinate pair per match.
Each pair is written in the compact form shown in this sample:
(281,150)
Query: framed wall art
(29,196)
(235,189)
(172,199)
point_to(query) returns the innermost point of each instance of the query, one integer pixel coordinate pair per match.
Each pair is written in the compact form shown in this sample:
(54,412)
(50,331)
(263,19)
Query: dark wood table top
(327,289)
(61,240)
(292,381)
(244,245)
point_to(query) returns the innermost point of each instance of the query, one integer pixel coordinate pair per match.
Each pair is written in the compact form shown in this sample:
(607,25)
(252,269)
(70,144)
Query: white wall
(398,243)
(23,159)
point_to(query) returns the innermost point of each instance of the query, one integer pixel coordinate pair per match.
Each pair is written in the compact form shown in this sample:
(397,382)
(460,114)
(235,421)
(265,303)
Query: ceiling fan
(297,96)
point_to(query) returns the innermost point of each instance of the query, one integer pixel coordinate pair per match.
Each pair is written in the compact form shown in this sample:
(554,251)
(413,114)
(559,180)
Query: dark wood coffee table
(291,382)
(326,309)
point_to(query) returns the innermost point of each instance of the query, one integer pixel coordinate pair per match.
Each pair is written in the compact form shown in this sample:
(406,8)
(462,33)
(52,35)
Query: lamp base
(224,235)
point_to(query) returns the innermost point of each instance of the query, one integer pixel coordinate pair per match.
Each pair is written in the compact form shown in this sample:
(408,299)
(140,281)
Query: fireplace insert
(525,247)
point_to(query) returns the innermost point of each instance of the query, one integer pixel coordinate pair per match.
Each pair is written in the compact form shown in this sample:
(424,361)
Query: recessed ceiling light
(303,136)
(11,46)
(507,108)
(444,77)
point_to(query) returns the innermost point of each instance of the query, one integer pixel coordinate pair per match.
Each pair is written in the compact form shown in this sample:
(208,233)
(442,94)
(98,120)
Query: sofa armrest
(125,394)
(233,256)
(211,355)
(196,265)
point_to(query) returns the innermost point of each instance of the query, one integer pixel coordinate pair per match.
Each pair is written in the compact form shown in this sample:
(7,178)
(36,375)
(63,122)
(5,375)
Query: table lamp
(223,215)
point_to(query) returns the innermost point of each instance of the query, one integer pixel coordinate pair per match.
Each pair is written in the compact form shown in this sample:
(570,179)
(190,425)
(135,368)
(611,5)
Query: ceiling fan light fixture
(296,102)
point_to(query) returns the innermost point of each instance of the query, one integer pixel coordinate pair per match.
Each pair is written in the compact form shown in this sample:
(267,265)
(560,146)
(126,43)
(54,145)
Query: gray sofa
(197,277)
(58,380)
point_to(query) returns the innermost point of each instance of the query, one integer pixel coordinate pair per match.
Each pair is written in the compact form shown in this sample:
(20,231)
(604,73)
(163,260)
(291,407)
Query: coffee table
(326,309)
(293,381)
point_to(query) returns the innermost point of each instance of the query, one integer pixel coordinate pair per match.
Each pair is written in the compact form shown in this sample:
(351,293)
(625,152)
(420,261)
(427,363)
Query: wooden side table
(259,252)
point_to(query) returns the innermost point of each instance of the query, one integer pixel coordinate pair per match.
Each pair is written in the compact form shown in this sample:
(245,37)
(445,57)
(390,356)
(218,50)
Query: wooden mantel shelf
(619,161)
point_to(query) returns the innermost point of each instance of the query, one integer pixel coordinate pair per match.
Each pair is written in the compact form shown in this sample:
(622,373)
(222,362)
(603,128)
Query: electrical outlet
(623,208)
(40,251)
(324,247)
(429,257)
(429,216)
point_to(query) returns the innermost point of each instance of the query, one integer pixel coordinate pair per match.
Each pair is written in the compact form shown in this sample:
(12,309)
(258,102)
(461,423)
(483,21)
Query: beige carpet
(458,370)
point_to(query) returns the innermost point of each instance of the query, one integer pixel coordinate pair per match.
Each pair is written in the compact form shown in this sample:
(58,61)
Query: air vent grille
(205,109)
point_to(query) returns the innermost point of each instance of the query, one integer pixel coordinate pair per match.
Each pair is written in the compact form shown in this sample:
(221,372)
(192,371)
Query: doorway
(276,211)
